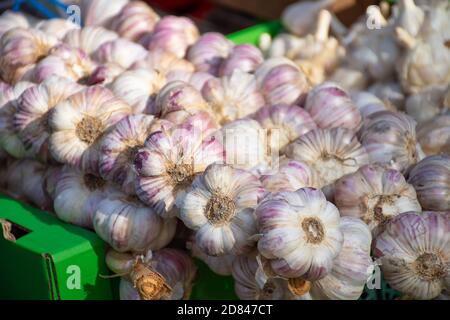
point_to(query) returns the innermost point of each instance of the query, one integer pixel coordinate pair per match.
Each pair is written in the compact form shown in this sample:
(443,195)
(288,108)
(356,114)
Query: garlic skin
(414,253)
(134,20)
(89,39)
(78,195)
(195,79)
(390,139)
(163,62)
(389,92)
(349,79)
(244,57)
(219,207)
(287,122)
(300,233)
(209,51)
(119,146)
(78,123)
(426,104)
(376,195)
(221,265)
(57,28)
(430,177)
(10,20)
(139,88)
(169,162)
(434,135)
(33,109)
(332,153)
(233,97)
(330,106)
(121,52)
(9,139)
(100,12)
(368,103)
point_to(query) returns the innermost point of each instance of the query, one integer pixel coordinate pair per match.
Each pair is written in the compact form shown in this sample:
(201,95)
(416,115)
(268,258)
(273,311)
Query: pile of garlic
(292,168)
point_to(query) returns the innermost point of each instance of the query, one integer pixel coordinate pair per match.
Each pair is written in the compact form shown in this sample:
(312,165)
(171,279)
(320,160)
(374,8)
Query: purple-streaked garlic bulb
(219,207)
(431,177)
(135,20)
(172,34)
(169,162)
(126,224)
(33,110)
(434,135)
(290,176)
(414,253)
(390,93)
(233,97)
(375,194)
(77,196)
(57,28)
(195,79)
(119,146)
(121,52)
(64,61)
(332,153)
(100,12)
(220,265)
(300,233)
(163,62)
(350,79)
(426,104)
(139,88)
(79,122)
(89,39)
(281,81)
(10,20)
(330,106)
(209,51)
(368,103)
(390,139)
(245,57)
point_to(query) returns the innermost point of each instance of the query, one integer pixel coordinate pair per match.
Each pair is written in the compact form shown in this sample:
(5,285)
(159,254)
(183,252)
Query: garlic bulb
(9,139)
(209,51)
(168,163)
(89,39)
(376,195)
(104,74)
(128,225)
(100,12)
(195,79)
(121,52)
(426,104)
(244,57)
(410,17)
(368,103)
(220,264)
(134,20)
(219,207)
(332,153)
(233,97)
(330,107)
(57,28)
(349,79)
(434,135)
(33,109)
(430,178)
(78,195)
(390,93)
(390,138)
(78,122)
(139,88)
(119,146)
(10,20)
(414,253)
(291,176)
(300,233)
(286,122)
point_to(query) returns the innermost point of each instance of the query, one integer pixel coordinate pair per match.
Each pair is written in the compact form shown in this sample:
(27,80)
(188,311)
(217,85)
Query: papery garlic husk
(139,88)
(163,62)
(245,57)
(390,93)
(120,51)
(9,139)
(300,233)
(209,51)
(410,17)
(33,109)
(291,176)
(64,61)
(172,34)
(233,97)
(434,135)
(57,28)
(100,12)
(350,79)
(78,123)
(368,103)
(78,195)
(426,104)
(169,162)
(376,195)
(332,153)
(20,48)
(220,265)
(281,81)
(89,39)
(330,106)
(414,253)
(134,20)
(390,139)
(10,20)
(430,177)
(220,208)
(195,79)
(286,122)
(119,146)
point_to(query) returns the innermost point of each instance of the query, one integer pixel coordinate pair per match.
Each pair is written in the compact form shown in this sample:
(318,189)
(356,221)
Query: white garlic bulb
(89,38)
(100,12)
(434,135)
(57,28)
(426,104)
